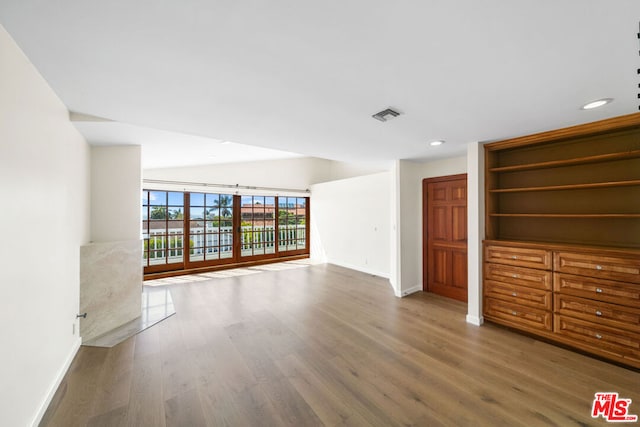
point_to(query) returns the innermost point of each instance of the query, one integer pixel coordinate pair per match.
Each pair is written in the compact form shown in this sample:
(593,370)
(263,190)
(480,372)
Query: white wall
(110,269)
(443,167)
(475,231)
(116,180)
(351,219)
(44,178)
(410,176)
(409,227)
(298,173)
(395,242)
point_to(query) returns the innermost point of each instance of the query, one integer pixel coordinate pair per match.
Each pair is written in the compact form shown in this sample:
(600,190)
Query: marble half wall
(110,286)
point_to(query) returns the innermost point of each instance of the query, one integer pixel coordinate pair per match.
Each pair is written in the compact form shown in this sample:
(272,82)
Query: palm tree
(177,214)
(222,208)
(158,212)
(224,204)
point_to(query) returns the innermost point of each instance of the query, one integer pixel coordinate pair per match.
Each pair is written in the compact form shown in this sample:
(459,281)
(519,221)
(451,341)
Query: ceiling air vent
(385,115)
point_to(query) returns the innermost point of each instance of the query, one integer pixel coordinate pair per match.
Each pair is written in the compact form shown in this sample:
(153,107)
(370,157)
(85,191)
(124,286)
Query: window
(162,228)
(258,235)
(292,223)
(210,226)
(193,230)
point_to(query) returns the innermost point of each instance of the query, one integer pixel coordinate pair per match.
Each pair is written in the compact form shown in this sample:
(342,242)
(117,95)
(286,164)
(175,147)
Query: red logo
(612,408)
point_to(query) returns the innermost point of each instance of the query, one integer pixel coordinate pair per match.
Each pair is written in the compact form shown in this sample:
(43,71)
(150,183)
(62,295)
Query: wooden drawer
(537,298)
(521,257)
(530,277)
(601,338)
(597,289)
(517,315)
(603,313)
(600,266)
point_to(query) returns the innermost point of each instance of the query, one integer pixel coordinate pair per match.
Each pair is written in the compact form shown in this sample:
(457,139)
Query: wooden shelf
(584,182)
(569,162)
(529,215)
(569,186)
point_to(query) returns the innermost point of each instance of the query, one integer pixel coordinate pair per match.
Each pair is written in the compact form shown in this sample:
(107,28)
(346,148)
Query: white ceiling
(164,149)
(305,77)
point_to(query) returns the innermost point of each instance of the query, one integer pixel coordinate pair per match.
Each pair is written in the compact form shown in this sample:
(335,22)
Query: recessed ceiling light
(597,103)
(436,143)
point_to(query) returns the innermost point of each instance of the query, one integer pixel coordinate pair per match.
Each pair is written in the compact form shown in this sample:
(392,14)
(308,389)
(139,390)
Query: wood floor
(324,345)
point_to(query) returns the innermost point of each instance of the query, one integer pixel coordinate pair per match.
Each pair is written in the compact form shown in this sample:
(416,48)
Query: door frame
(425,210)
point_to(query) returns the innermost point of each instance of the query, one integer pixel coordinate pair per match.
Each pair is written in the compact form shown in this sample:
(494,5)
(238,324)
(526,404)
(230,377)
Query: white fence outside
(217,242)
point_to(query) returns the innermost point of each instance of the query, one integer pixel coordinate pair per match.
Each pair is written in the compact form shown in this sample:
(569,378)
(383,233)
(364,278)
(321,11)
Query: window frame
(236,258)
(166,236)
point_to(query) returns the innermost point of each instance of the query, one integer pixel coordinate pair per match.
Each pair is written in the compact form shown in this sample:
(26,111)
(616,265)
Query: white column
(111,266)
(395,230)
(475,227)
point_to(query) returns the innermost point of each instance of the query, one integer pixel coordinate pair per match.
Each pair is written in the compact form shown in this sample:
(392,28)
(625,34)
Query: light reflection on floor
(157,305)
(234,272)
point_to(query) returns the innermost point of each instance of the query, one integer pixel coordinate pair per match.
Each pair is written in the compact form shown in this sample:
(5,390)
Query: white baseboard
(411,290)
(56,383)
(359,268)
(475,320)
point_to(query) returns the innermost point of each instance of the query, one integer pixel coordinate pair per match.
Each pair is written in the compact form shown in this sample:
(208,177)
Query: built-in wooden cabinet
(518,286)
(562,248)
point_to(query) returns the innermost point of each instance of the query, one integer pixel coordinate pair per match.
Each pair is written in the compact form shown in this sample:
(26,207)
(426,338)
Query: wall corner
(475,227)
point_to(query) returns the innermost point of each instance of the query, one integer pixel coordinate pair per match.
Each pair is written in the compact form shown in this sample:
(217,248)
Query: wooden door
(445,236)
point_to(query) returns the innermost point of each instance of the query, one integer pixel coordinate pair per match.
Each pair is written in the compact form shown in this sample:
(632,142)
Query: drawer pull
(598,290)
(515,294)
(598,313)
(514,257)
(599,336)
(515,276)
(515,313)
(598,267)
